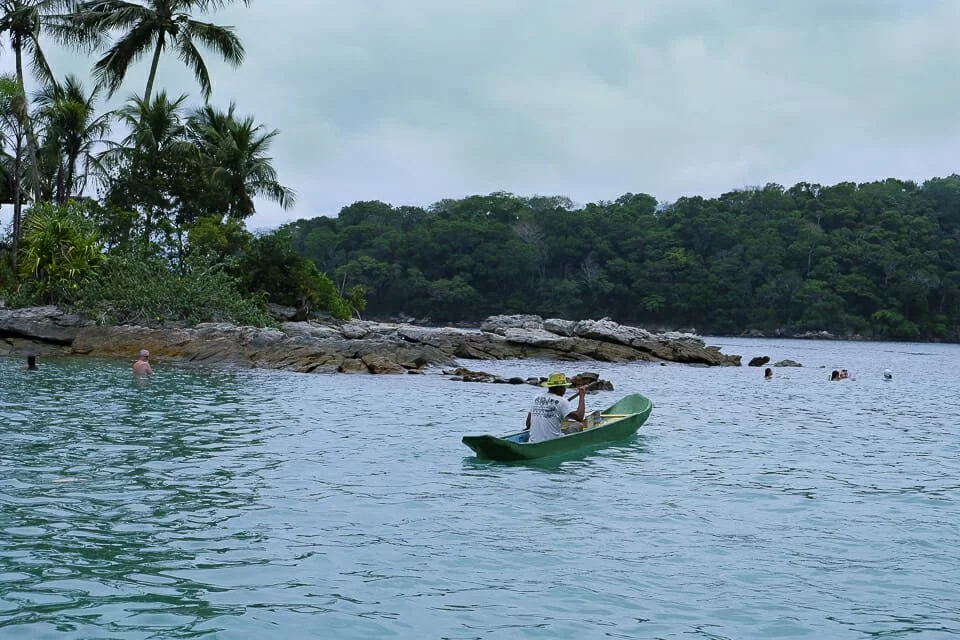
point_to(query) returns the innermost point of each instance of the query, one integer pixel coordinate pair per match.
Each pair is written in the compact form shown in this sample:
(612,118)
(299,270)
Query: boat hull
(621,420)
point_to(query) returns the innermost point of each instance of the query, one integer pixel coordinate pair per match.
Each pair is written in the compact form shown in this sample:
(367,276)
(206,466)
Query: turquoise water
(246,504)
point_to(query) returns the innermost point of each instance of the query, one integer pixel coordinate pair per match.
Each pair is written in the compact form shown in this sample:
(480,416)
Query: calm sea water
(213,504)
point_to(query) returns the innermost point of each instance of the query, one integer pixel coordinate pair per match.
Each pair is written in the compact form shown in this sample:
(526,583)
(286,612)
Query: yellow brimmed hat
(556,380)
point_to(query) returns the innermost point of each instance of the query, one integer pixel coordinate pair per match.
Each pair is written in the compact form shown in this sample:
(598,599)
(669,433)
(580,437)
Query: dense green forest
(879,259)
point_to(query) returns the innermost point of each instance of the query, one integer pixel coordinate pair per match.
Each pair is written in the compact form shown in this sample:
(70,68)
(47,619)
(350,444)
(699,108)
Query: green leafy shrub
(61,250)
(8,278)
(892,324)
(270,267)
(136,288)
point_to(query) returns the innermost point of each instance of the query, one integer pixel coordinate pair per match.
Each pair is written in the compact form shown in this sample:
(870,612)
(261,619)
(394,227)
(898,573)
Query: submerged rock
(588,379)
(787,363)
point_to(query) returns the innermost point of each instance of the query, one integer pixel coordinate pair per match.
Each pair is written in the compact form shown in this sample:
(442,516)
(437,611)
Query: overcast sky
(416,100)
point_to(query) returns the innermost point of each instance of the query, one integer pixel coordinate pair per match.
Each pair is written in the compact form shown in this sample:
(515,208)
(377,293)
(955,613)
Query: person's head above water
(835,375)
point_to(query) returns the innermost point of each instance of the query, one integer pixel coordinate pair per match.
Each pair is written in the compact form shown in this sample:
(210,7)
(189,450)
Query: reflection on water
(110,485)
(254,504)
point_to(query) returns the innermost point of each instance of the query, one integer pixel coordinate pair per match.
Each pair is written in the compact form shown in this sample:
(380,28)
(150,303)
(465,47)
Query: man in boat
(550,408)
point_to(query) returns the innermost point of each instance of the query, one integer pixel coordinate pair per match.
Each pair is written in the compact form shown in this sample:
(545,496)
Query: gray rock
(266,348)
(280,312)
(22,347)
(354,330)
(787,363)
(816,335)
(606,330)
(364,328)
(594,339)
(560,327)
(440,338)
(351,365)
(377,363)
(499,324)
(684,338)
(357,345)
(310,330)
(48,324)
(535,337)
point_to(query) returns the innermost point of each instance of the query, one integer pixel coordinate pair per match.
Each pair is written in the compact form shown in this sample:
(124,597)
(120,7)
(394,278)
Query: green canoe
(618,421)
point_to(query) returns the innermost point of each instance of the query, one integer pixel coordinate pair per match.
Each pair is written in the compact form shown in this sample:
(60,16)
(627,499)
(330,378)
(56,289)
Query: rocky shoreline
(353,347)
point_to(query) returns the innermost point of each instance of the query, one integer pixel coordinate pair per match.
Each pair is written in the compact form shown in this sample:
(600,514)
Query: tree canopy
(164,239)
(875,259)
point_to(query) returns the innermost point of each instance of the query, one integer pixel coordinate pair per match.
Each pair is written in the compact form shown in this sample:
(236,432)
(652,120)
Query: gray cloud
(414,101)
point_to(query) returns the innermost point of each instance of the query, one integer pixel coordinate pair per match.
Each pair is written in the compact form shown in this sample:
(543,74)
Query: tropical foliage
(165,238)
(72,130)
(134,287)
(61,251)
(149,28)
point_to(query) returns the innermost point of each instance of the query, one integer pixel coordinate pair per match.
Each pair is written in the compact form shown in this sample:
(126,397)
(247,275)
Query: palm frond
(68,27)
(189,55)
(38,61)
(201,6)
(110,15)
(111,69)
(221,40)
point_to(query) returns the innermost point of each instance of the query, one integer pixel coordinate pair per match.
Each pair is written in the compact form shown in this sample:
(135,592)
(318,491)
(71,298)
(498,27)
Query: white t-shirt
(545,416)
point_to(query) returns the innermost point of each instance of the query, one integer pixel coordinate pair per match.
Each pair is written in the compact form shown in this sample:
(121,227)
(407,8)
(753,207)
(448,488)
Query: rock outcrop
(357,346)
(590,380)
(787,363)
(45,324)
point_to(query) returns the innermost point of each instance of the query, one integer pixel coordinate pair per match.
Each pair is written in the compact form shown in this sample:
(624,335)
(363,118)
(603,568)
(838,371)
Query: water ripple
(246,504)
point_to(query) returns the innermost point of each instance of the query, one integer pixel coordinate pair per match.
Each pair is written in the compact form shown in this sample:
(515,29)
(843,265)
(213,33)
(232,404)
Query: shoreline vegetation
(164,240)
(164,243)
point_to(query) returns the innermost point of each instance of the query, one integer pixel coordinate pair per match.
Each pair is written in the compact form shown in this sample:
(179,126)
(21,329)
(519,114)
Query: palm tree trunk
(17,206)
(153,68)
(71,176)
(59,191)
(27,123)
(181,250)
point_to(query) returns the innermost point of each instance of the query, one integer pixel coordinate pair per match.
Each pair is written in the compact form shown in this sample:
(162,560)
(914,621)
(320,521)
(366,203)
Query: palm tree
(156,25)
(142,171)
(22,22)
(236,153)
(73,128)
(153,125)
(12,133)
